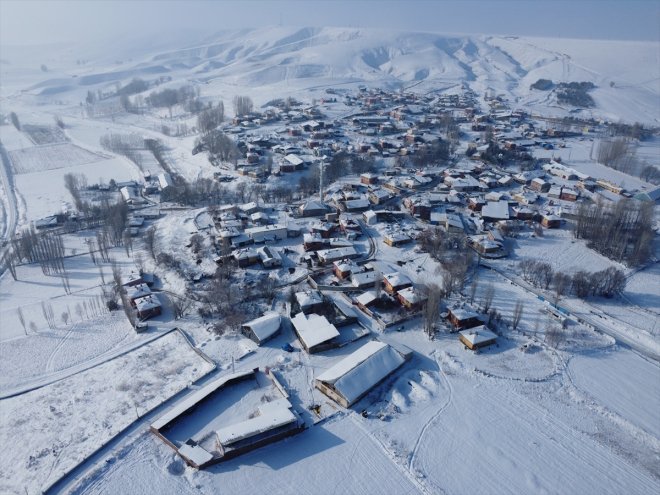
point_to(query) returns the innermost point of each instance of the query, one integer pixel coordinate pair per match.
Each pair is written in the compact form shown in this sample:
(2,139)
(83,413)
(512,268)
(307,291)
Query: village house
(540,185)
(263,328)
(327,256)
(494,211)
(136,292)
(310,301)
(411,298)
(369,178)
(344,268)
(396,239)
(568,194)
(379,196)
(269,257)
(362,280)
(265,233)
(463,318)
(550,221)
(477,337)
(148,307)
(245,257)
(396,281)
(312,208)
(314,332)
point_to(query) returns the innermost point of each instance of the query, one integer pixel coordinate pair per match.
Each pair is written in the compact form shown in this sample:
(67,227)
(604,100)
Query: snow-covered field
(57,426)
(600,374)
(48,157)
(518,417)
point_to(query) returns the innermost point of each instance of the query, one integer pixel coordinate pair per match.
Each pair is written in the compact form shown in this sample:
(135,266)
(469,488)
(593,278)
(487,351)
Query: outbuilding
(263,328)
(354,376)
(478,337)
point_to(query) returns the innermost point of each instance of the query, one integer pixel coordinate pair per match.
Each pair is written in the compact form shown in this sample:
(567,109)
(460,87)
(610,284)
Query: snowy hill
(286,60)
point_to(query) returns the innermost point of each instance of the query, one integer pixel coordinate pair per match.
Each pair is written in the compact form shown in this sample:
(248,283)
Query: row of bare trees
(620,153)
(607,283)
(622,231)
(208,120)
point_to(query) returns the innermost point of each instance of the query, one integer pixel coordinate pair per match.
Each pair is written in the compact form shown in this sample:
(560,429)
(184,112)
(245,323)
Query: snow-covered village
(330,260)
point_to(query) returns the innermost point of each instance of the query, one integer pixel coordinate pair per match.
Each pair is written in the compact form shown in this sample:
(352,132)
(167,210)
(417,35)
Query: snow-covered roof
(268,419)
(265,326)
(164,180)
(358,279)
(294,160)
(138,291)
(196,397)
(478,335)
(196,454)
(356,374)
(147,302)
(397,279)
(313,329)
(337,253)
(463,314)
(366,298)
(412,295)
(498,210)
(308,298)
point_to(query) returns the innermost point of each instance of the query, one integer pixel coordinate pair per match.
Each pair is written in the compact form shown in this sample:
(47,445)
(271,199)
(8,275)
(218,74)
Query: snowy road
(599,322)
(8,185)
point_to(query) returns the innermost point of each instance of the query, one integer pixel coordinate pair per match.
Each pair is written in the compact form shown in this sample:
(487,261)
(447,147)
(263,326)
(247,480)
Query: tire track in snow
(402,469)
(422,433)
(51,358)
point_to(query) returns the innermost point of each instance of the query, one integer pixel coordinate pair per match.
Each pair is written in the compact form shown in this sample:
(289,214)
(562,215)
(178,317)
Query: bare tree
(553,336)
(378,284)
(473,288)
(618,153)
(21,318)
(80,312)
(150,241)
(65,318)
(14,120)
(517,314)
(242,105)
(208,120)
(9,261)
(180,305)
(139,262)
(431,309)
(488,297)
(562,284)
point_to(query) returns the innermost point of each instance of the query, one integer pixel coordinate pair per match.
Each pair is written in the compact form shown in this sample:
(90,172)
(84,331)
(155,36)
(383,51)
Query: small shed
(478,337)
(263,328)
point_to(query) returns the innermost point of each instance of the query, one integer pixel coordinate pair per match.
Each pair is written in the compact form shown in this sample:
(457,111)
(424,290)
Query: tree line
(605,283)
(622,231)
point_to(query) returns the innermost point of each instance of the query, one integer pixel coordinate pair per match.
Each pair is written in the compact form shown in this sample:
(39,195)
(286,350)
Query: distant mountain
(626,74)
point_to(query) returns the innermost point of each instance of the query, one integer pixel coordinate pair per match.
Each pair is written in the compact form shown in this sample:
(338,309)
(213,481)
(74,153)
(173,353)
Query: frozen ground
(59,425)
(336,457)
(611,378)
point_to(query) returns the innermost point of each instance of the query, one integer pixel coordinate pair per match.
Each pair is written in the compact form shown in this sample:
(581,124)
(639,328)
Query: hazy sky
(36,21)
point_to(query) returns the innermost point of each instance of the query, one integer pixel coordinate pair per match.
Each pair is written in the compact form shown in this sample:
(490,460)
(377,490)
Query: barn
(354,376)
